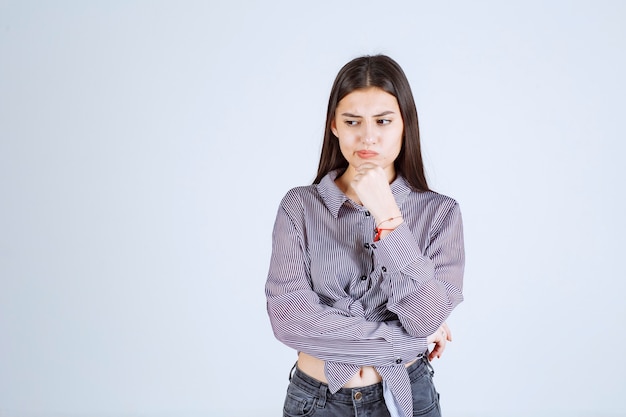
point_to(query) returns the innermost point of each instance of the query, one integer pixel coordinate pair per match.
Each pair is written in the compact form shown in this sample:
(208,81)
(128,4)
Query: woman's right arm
(302,322)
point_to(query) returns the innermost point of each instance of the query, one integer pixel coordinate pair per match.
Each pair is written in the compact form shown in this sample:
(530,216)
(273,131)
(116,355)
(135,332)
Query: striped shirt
(335,294)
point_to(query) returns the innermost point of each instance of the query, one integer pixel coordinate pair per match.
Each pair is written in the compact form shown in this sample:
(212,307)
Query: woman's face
(369,127)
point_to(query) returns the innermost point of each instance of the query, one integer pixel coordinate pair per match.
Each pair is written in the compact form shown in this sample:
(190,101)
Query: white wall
(144,148)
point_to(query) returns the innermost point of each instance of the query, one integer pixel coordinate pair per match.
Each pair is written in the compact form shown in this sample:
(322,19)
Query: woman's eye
(351,122)
(384,121)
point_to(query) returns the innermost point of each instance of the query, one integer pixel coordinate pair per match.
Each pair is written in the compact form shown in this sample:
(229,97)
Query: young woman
(367,263)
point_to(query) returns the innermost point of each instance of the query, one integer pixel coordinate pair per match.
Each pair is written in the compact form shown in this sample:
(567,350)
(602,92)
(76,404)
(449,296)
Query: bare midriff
(314,368)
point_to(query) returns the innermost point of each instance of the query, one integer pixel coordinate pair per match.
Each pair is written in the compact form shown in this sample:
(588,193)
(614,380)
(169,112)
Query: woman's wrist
(386,226)
(391,221)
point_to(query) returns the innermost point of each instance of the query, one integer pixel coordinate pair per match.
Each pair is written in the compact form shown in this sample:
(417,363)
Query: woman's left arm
(423,286)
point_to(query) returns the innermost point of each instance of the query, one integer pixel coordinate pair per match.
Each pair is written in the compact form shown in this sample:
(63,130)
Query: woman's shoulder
(427,199)
(433,197)
(439,205)
(299,196)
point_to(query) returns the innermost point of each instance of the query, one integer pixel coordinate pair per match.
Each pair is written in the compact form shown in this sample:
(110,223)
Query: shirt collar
(334,198)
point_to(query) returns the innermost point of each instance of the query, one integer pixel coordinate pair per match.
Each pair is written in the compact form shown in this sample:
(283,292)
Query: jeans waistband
(369,393)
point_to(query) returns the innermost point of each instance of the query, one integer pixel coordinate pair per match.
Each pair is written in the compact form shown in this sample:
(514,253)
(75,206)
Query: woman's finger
(437,350)
(448,331)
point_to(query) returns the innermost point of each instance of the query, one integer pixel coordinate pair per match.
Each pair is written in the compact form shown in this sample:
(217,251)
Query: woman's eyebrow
(385,113)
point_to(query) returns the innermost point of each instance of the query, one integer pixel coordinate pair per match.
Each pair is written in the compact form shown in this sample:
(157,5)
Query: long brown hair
(385,73)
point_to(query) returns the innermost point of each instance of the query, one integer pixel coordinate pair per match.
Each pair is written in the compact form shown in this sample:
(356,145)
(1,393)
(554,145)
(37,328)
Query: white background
(145,146)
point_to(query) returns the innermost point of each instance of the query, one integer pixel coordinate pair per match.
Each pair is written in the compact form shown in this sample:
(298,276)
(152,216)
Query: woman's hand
(371,186)
(442,336)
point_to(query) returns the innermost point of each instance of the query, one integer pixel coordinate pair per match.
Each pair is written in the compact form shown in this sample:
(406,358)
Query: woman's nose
(368,140)
(368,136)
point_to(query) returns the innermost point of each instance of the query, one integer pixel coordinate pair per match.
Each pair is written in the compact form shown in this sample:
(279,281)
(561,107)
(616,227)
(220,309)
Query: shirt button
(384,269)
(398,361)
(373,246)
(364,277)
(367,214)
(367,246)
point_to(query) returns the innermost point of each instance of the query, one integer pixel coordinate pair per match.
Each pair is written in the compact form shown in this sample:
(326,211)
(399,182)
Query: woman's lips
(366,154)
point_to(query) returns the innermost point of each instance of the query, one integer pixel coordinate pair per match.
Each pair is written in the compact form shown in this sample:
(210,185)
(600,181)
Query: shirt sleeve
(423,286)
(300,321)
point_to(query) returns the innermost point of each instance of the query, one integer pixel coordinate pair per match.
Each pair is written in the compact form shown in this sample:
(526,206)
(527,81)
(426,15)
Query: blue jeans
(307,396)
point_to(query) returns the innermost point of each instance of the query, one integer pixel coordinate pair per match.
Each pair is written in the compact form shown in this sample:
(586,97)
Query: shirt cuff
(405,350)
(400,252)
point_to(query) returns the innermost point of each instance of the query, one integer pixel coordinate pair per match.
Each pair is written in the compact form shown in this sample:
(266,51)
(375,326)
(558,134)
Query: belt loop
(293,369)
(429,365)
(321,403)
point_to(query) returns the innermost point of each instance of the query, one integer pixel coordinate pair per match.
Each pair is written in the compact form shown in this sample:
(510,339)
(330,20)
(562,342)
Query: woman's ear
(333,127)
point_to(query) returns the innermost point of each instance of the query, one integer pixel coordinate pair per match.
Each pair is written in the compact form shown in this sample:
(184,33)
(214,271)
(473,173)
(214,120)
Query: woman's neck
(343,183)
